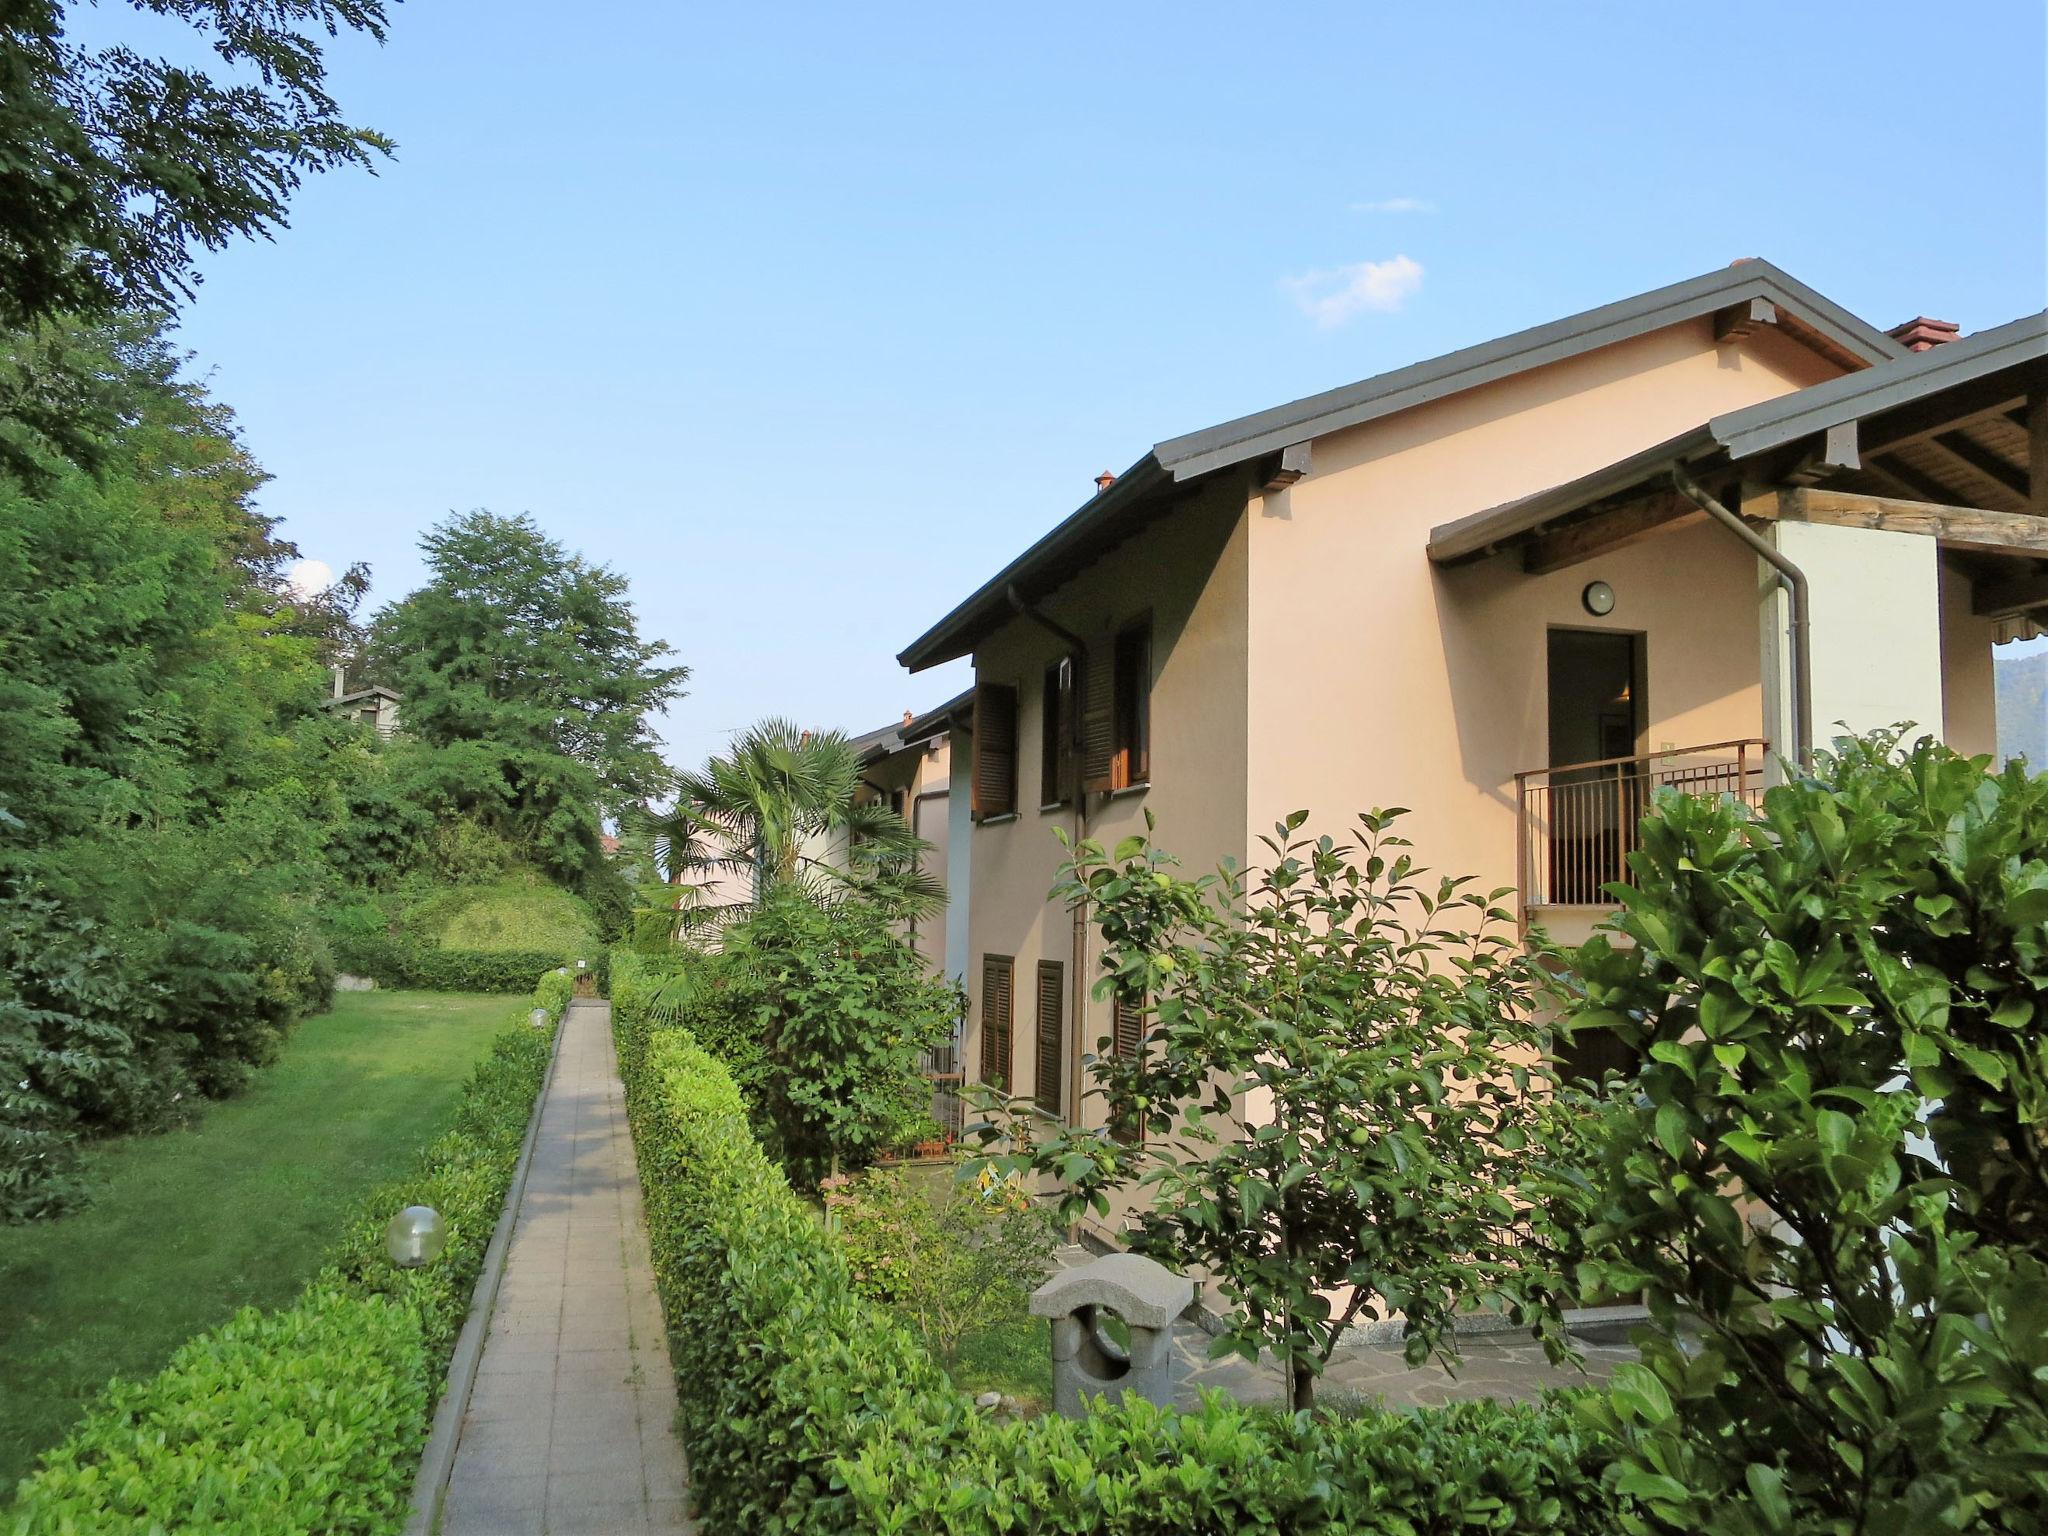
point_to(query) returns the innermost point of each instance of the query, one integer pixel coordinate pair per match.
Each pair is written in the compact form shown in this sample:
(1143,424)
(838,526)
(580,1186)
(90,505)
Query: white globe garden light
(538,1018)
(415,1236)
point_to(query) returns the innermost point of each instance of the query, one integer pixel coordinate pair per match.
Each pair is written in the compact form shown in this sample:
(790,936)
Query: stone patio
(570,1427)
(1508,1366)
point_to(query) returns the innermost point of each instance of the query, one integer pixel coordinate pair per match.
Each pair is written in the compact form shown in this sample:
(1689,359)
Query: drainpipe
(1793,580)
(1077,959)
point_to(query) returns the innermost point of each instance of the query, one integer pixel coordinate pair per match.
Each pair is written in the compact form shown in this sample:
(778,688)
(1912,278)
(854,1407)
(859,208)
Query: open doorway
(1596,717)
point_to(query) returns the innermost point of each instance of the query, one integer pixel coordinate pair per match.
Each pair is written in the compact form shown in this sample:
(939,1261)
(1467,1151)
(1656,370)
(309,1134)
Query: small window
(995,750)
(1116,711)
(997,973)
(1056,734)
(1051,1054)
(1127,1040)
(1130,761)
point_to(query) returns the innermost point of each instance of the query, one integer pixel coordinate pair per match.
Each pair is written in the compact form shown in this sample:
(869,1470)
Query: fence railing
(1579,823)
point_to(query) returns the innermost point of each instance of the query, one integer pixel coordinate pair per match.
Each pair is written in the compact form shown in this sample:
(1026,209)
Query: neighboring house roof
(1972,374)
(956,714)
(374,692)
(1143,492)
(910,731)
(876,745)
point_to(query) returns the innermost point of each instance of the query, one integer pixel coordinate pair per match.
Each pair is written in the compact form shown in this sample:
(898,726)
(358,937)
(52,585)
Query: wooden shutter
(1098,718)
(1126,1026)
(1052,1035)
(996,974)
(995,750)
(1131,758)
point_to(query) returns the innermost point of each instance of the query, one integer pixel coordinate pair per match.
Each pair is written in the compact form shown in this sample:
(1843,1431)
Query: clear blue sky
(809,318)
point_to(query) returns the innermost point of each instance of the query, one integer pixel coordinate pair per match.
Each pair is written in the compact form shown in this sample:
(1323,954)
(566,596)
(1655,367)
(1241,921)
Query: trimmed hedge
(807,1409)
(311,1418)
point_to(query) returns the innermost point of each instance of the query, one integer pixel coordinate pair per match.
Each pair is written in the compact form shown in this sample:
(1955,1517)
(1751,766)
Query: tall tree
(115,165)
(517,642)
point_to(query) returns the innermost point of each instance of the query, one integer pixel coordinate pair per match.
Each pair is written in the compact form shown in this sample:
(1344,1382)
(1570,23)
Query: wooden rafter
(2004,533)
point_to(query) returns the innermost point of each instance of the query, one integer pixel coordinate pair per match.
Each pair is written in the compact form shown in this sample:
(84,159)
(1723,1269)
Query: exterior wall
(1876,626)
(1969,693)
(1379,679)
(959,855)
(922,773)
(1190,575)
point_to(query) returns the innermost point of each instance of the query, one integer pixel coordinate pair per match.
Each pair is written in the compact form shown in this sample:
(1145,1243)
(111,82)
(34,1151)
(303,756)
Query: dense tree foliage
(1337,1104)
(117,166)
(516,642)
(1830,1178)
(168,778)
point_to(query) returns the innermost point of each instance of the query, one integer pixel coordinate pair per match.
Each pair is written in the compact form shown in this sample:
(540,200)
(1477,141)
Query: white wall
(1876,630)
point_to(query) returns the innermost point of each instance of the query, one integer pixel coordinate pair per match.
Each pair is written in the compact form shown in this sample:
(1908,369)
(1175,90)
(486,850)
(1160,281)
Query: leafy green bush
(492,938)
(806,1408)
(1831,1175)
(281,1423)
(825,1016)
(947,1261)
(519,914)
(312,1418)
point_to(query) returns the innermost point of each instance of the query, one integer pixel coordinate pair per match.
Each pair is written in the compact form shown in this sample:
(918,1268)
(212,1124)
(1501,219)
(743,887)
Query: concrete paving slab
(570,1427)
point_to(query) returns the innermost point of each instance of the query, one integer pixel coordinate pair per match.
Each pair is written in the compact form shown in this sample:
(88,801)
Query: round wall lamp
(1598,599)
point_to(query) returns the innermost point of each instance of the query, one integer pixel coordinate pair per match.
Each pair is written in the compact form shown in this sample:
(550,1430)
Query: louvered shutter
(995,1021)
(995,750)
(1098,717)
(1051,1051)
(1126,1026)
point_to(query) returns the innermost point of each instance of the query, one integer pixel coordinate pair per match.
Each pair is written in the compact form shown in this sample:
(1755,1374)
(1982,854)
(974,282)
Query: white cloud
(1396,205)
(308,578)
(1338,294)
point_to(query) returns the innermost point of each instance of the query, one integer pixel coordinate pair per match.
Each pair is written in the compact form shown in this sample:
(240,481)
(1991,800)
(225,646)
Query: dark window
(995,750)
(1130,761)
(997,972)
(1052,1035)
(1056,734)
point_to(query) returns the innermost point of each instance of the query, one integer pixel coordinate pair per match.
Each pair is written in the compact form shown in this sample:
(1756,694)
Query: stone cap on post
(1139,1290)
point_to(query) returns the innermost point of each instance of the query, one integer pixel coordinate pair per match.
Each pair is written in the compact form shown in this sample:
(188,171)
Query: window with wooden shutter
(1116,711)
(1126,1026)
(1127,1039)
(1056,733)
(995,750)
(1051,1053)
(997,972)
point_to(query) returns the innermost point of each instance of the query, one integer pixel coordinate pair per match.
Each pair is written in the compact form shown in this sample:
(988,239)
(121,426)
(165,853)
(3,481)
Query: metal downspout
(1077,956)
(1793,580)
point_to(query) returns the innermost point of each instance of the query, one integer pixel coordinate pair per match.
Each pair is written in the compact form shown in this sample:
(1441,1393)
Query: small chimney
(1104,481)
(908,717)
(1920,333)
(340,679)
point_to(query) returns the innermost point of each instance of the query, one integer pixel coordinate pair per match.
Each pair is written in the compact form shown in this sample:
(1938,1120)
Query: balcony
(1577,824)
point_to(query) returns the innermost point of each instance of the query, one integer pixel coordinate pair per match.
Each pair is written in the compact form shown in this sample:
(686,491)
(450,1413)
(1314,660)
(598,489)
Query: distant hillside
(2023,708)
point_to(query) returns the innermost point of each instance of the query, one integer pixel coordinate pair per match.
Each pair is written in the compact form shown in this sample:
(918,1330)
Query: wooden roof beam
(2002,533)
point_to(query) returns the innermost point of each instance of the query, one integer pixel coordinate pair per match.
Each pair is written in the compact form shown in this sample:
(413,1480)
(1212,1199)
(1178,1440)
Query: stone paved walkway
(571,1425)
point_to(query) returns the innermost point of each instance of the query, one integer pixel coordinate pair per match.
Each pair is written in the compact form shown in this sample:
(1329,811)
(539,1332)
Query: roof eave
(1405,388)
(955,635)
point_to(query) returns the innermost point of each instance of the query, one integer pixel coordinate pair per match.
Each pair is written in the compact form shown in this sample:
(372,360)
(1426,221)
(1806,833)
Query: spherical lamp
(415,1236)
(538,1018)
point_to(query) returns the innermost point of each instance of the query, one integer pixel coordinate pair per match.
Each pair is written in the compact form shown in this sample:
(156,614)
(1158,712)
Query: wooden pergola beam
(2008,595)
(2002,533)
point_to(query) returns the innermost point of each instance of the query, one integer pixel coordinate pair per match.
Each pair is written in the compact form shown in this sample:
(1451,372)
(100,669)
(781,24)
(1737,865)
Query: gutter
(1793,580)
(1077,958)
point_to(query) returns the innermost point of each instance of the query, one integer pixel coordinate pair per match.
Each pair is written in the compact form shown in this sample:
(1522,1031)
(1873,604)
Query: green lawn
(238,1209)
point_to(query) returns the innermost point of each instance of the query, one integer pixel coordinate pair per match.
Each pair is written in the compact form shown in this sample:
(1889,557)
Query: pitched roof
(1977,365)
(1144,491)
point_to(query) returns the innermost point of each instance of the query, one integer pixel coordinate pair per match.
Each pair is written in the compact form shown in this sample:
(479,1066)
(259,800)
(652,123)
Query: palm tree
(783,808)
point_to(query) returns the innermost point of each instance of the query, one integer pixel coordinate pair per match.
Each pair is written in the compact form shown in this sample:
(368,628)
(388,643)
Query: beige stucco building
(1512,589)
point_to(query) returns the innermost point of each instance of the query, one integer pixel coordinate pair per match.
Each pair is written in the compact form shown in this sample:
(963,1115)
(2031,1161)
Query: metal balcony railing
(1579,823)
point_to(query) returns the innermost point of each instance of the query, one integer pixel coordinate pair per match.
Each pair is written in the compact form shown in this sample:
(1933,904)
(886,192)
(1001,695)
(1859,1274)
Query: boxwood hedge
(309,1419)
(806,1409)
